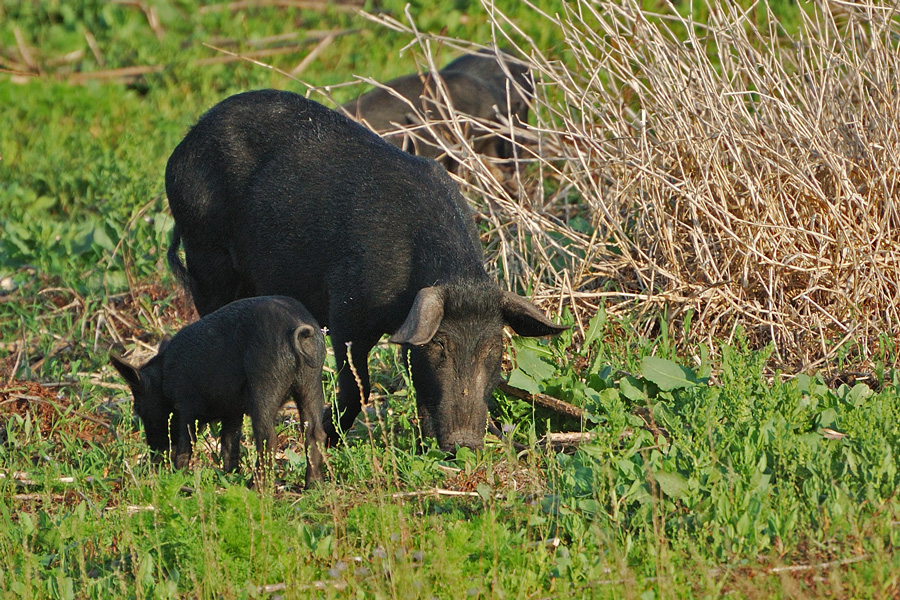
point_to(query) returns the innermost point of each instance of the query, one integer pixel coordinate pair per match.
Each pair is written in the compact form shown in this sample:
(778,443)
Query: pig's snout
(463,439)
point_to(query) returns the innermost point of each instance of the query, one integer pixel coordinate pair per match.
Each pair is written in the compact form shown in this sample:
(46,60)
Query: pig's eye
(439,344)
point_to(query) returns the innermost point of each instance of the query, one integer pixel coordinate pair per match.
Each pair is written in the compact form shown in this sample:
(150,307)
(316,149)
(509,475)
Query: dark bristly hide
(249,357)
(273,193)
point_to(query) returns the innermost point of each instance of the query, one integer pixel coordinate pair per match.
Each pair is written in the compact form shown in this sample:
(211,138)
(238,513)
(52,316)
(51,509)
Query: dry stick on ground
(33,497)
(825,565)
(433,492)
(543,400)
(301,4)
(22,478)
(121,73)
(559,440)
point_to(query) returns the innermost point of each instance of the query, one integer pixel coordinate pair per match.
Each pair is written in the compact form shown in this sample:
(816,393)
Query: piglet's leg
(310,400)
(266,441)
(231,442)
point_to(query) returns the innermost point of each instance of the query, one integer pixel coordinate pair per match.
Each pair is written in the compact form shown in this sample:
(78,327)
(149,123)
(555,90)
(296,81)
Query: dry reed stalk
(729,168)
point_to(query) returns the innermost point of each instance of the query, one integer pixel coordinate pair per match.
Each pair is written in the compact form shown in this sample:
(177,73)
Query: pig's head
(150,404)
(454,335)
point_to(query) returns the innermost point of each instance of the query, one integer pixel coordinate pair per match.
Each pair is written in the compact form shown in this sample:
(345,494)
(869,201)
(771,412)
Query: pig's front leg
(184,445)
(230,441)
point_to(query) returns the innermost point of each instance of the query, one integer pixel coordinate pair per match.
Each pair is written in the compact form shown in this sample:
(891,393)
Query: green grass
(704,478)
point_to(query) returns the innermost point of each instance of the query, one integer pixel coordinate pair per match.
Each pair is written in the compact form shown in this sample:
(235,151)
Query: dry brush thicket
(726,168)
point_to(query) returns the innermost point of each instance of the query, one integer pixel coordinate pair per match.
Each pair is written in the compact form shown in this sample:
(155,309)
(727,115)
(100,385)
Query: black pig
(273,193)
(477,86)
(249,357)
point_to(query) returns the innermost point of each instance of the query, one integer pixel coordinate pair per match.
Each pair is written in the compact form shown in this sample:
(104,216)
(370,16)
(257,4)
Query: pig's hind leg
(263,410)
(310,400)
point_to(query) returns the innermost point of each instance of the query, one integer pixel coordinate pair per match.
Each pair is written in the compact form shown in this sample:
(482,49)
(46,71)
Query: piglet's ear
(131,374)
(310,345)
(423,319)
(525,318)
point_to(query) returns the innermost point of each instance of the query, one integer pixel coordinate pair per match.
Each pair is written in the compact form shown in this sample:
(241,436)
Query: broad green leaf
(859,394)
(484,490)
(631,388)
(530,363)
(828,418)
(595,327)
(673,485)
(522,381)
(102,239)
(666,374)
(594,451)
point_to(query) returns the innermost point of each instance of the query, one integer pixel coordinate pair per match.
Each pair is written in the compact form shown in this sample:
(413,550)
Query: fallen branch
(569,439)
(32,497)
(566,439)
(544,401)
(17,73)
(131,508)
(433,492)
(825,565)
(22,478)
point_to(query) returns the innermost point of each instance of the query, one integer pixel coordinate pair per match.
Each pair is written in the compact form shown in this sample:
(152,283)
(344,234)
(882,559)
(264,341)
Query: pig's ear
(309,345)
(423,319)
(525,318)
(131,374)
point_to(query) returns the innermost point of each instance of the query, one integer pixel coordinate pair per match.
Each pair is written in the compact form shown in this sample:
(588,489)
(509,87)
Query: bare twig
(313,55)
(253,54)
(271,588)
